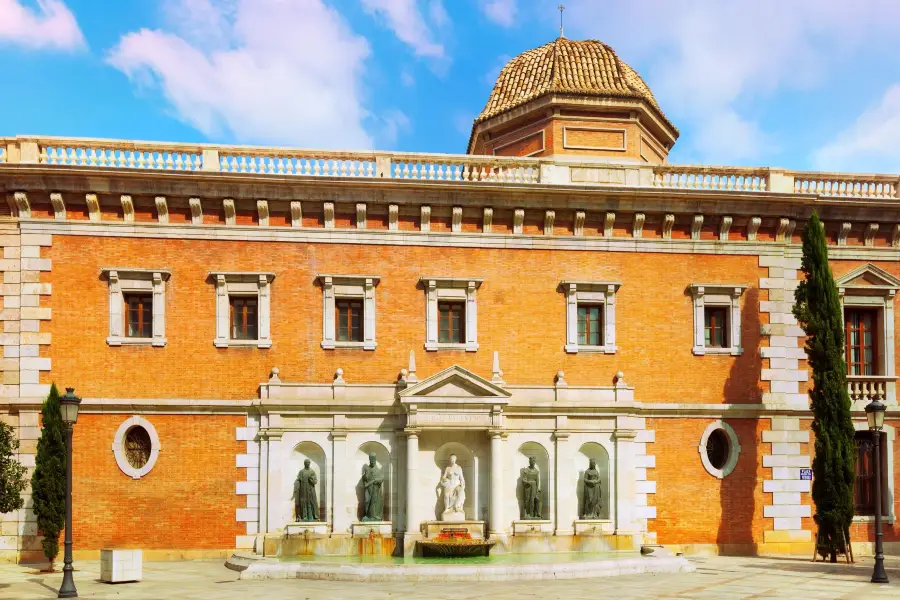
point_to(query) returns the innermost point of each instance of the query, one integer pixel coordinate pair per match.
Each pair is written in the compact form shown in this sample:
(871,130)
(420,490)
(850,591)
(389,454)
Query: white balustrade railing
(865,388)
(711,178)
(2,154)
(464,168)
(129,155)
(846,186)
(310,163)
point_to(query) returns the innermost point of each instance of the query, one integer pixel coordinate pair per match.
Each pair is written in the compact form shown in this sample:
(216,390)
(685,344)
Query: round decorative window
(719,449)
(136,447)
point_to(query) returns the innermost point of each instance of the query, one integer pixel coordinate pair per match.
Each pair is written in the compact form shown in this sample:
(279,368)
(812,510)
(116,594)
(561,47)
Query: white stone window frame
(734,449)
(247,284)
(118,446)
(881,299)
(591,293)
(718,295)
(356,287)
(459,289)
(122,281)
(889,434)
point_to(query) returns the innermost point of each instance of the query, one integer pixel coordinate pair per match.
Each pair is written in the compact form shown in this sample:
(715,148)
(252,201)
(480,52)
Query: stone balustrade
(258,160)
(865,388)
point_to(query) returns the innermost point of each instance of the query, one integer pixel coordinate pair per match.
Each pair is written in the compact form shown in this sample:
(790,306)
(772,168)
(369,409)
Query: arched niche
(318,463)
(383,461)
(466,459)
(596,451)
(526,451)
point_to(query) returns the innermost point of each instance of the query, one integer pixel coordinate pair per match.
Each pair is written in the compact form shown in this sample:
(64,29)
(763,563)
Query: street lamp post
(875,417)
(68,406)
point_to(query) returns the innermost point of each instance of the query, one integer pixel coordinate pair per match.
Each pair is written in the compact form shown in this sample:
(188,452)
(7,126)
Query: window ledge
(130,341)
(701,350)
(332,345)
(871,519)
(575,349)
(434,346)
(242,343)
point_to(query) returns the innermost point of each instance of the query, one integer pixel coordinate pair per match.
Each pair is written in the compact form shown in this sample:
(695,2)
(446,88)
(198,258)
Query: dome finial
(561,8)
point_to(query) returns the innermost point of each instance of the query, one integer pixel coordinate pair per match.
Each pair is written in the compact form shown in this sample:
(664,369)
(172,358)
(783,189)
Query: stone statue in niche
(373,499)
(590,505)
(531,490)
(307,504)
(453,485)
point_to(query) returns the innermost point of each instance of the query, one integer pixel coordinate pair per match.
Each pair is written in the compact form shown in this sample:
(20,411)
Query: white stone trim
(450,288)
(890,434)
(786,486)
(242,284)
(118,446)
(593,292)
(348,286)
(734,449)
(253,485)
(122,281)
(728,296)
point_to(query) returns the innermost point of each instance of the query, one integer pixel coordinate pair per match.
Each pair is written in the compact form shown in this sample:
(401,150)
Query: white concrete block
(782,352)
(786,448)
(786,498)
(784,375)
(771,261)
(785,387)
(252,448)
(244,542)
(253,473)
(247,514)
(245,488)
(785,423)
(119,566)
(252,527)
(37,239)
(248,460)
(787,523)
(646,461)
(644,512)
(647,436)
(786,473)
(645,487)
(785,436)
(786,461)
(797,510)
(245,434)
(787,485)
(253,501)
(640,474)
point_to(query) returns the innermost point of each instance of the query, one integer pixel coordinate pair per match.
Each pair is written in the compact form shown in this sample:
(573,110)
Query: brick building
(560,292)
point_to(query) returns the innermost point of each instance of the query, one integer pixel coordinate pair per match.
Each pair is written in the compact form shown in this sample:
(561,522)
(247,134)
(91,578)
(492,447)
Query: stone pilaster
(249,487)
(786,487)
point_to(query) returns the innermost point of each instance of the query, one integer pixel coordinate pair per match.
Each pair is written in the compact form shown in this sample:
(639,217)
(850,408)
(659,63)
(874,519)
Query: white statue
(454,490)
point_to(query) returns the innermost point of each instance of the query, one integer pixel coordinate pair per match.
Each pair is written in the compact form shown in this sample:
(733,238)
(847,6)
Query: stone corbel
(579,223)
(609,222)
(228,207)
(871,230)
(127,208)
(93,206)
(425,219)
(393,217)
(843,233)
(724,228)
(162,210)
(637,229)
(59,206)
(488,222)
(668,223)
(262,211)
(753,228)
(360,215)
(196,211)
(789,233)
(296,214)
(518,221)
(696,226)
(456,220)
(328,214)
(22,205)
(549,219)
(895,237)
(781,230)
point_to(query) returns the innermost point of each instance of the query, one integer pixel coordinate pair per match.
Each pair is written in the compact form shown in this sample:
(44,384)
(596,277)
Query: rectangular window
(864,488)
(138,315)
(860,334)
(589,325)
(244,316)
(715,326)
(349,320)
(451,322)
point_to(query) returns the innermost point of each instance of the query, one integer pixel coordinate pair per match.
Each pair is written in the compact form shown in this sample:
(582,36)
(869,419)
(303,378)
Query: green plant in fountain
(818,311)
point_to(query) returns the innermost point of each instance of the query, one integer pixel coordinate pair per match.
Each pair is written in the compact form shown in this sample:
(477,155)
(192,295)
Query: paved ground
(719,578)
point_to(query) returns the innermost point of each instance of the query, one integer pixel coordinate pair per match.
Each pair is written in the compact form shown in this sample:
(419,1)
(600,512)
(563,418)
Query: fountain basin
(458,548)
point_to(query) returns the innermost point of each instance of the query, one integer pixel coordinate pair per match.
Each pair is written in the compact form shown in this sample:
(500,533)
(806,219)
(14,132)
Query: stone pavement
(719,578)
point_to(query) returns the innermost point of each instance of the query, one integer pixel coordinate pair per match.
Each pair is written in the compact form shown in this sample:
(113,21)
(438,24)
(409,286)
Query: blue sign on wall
(806,474)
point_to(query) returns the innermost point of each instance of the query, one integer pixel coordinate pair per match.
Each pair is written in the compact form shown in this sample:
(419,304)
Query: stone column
(413,523)
(497,526)
(624,509)
(263,483)
(342,509)
(566,496)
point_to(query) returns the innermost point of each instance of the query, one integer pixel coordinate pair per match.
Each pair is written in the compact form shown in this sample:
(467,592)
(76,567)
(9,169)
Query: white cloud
(501,12)
(49,25)
(262,71)
(405,19)
(407,79)
(869,144)
(708,61)
(393,123)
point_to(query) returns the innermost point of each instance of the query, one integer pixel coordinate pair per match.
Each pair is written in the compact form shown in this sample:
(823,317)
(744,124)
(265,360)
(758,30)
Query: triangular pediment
(868,276)
(455,383)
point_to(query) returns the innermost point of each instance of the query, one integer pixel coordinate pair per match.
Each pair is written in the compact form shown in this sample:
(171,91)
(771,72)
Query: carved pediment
(455,384)
(868,276)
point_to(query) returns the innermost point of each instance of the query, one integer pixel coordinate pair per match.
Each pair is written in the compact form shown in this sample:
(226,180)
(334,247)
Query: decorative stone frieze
(122,281)
(451,288)
(601,293)
(360,287)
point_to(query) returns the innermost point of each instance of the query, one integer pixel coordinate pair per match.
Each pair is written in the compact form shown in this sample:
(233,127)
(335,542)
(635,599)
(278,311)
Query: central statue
(591,499)
(454,491)
(307,505)
(531,491)
(374,495)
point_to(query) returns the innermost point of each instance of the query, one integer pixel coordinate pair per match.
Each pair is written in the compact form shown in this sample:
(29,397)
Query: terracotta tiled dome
(564,66)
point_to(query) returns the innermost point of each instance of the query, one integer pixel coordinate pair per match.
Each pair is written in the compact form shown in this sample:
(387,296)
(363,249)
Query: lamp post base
(878,575)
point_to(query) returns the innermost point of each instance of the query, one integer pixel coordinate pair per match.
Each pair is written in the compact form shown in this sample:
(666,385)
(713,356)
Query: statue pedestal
(306,528)
(594,527)
(450,516)
(434,528)
(367,528)
(535,527)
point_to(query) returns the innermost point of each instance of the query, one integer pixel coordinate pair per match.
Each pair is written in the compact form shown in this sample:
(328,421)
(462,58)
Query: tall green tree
(12,472)
(48,484)
(818,310)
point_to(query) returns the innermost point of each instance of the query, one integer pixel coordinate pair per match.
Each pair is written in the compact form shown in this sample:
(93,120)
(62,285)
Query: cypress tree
(48,484)
(818,311)
(12,473)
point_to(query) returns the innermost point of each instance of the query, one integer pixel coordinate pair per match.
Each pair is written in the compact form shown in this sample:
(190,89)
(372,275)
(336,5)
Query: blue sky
(806,84)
